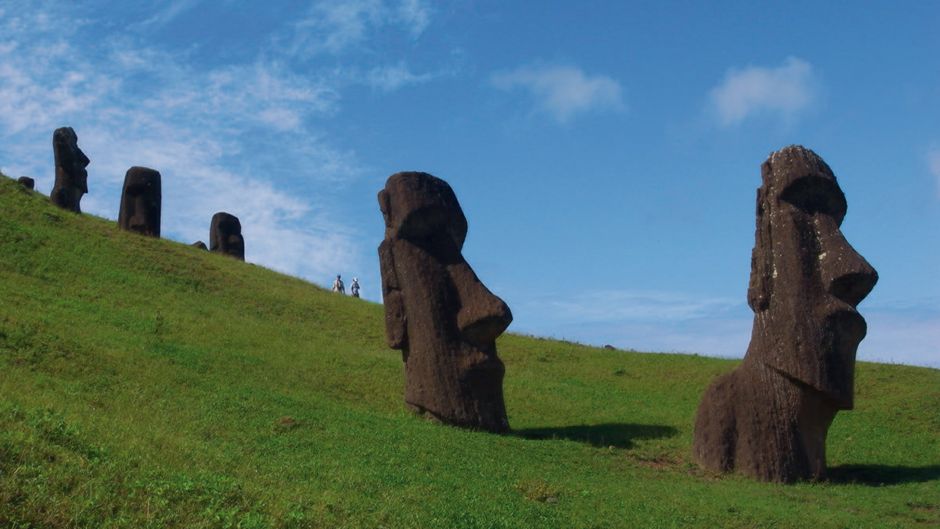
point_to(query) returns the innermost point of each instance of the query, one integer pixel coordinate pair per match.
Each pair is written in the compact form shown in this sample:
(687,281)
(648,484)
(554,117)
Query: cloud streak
(782,91)
(563,91)
(335,26)
(933,164)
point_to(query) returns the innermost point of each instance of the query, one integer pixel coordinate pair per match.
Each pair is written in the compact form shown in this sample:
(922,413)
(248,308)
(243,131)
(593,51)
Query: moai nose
(482,316)
(846,274)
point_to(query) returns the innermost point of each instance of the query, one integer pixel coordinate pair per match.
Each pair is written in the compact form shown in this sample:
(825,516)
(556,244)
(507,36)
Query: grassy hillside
(144,383)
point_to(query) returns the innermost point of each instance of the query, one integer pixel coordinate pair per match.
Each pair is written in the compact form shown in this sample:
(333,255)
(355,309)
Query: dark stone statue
(27,182)
(71,178)
(442,318)
(225,236)
(199,244)
(769,418)
(140,202)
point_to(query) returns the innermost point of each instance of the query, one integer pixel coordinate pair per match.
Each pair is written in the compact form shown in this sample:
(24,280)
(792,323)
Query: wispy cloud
(333,26)
(563,91)
(784,91)
(167,11)
(933,163)
(390,78)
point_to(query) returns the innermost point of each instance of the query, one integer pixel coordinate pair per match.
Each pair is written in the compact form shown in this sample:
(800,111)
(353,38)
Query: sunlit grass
(145,383)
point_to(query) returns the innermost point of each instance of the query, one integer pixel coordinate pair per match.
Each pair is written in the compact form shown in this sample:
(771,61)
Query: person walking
(354,287)
(338,285)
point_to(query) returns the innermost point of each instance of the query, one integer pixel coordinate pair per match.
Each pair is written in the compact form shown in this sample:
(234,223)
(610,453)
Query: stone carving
(769,417)
(199,244)
(71,178)
(27,182)
(140,202)
(225,236)
(437,312)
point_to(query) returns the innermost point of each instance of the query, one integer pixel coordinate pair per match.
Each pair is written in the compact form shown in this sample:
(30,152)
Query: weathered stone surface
(71,178)
(140,202)
(27,182)
(225,236)
(437,312)
(199,244)
(769,417)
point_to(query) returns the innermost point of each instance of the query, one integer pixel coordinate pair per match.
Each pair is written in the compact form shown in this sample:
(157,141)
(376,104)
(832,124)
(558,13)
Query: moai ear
(385,206)
(396,330)
(760,286)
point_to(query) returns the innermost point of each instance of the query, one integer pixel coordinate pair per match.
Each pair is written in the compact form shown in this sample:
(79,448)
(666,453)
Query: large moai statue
(71,178)
(769,418)
(225,236)
(27,182)
(442,318)
(140,202)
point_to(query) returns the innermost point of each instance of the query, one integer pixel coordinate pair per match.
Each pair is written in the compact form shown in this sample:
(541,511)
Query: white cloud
(390,78)
(933,163)
(784,91)
(333,26)
(563,91)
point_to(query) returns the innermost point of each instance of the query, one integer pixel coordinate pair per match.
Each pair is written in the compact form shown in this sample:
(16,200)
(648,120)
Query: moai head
(27,182)
(140,202)
(71,178)
(225,235)
(806,279)
(199,244)
(437,312)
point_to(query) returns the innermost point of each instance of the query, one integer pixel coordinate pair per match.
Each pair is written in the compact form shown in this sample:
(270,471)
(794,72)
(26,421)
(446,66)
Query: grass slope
(144,383)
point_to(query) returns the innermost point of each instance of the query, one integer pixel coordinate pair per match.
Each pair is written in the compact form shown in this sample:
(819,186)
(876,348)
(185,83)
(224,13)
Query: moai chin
(71,178)
(140,202)
(769,417)
(225,236)
(437,312)
(27,182)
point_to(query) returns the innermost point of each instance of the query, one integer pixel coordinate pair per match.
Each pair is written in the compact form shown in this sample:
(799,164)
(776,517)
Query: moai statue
(27,182)
(768,418)
(225,236)
(199,244)
(140,202)
(71,178)
(442,318)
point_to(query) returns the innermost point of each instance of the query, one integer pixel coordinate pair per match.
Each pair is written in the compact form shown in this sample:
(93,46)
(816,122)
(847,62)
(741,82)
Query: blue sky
(606,154)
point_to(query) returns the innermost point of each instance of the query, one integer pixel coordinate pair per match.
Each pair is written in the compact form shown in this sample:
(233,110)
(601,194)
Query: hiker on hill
(354,287)
(338,285)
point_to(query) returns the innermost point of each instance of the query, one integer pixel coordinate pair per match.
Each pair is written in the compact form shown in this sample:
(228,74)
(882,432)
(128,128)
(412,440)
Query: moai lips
(71,178)
(225,236)
(140,202)
(437,312)
(770,416)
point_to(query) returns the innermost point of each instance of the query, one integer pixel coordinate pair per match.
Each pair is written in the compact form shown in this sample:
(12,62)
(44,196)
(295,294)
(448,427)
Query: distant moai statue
(769,418)
(225,236)
(199,244)
(140,202)
(27,182)
(71,178)
(437,312)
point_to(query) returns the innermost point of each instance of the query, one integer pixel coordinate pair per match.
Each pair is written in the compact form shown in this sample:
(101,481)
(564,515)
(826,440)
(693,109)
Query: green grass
(145,383)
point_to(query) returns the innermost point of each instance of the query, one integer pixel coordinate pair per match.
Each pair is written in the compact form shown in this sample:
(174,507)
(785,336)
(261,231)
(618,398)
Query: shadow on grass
(600,435)
(877,475)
